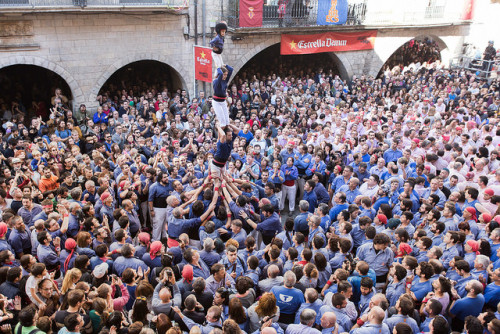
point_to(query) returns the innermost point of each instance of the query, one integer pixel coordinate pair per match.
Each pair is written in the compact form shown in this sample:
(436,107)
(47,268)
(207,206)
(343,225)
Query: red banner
(327,42)
(468,13)
(251,13)
(203,63)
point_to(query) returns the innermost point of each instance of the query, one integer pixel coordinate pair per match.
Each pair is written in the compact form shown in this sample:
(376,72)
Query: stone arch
(337,57)
(179,70)
(76,91)
(384,54)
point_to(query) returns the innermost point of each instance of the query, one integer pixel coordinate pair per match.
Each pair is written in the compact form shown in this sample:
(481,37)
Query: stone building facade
(85,47)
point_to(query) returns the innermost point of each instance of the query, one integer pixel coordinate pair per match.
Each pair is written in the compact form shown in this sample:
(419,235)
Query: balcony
(23,6)
(373,13)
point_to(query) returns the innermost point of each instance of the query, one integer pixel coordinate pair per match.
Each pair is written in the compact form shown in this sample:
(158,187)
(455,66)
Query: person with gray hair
(307,319)
(481,264)
(273,279)
(301,221)
(288,298)
(207,254)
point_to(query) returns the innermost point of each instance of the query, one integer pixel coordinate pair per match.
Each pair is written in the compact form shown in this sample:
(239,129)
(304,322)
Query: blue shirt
(288,300)
(157,193)
(392,155)
(448,255)
(300,222)
(379,262)
(312,199)
(122,263)
(421,289)
(397,318)
(336,209)
(338,182)
(394,291)
(302,162)
(178,226)
(369,328)
(270,226)
(47,256)
(220,85)
(439,193)
(492,295)
(321,193)
(468,306)
(350,194)
(20,241)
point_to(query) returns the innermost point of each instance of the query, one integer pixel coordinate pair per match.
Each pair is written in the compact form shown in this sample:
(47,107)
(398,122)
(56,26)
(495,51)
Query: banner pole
(194,71)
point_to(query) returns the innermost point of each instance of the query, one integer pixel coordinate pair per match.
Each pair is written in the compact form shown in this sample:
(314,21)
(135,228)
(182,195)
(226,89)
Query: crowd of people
(324,206)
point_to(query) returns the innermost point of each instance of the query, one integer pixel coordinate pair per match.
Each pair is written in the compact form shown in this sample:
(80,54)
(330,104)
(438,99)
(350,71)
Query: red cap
(469,175)
(474,245)
(489,191)
(459,128)
(427,167)
(3,229)
(486,217)
(105,195)
(446,138)
(382,218)
(416,140)
(405,248)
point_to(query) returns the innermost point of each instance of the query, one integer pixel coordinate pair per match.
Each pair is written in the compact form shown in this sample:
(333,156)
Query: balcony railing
(68,5)
(303,13)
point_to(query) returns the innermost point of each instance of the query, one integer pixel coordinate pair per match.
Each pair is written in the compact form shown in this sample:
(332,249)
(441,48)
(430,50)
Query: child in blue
(217,45)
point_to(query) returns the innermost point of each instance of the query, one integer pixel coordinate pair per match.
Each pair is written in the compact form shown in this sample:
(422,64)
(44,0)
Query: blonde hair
(71,275)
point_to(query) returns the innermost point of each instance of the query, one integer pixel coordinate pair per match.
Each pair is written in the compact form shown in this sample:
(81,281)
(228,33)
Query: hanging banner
(203,63)
(332,12)
(468,12)
(251,12)
(327,42)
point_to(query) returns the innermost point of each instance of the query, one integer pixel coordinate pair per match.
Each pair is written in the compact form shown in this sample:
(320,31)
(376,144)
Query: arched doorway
(32,87)
(419,49)
(269,61)
(141,76)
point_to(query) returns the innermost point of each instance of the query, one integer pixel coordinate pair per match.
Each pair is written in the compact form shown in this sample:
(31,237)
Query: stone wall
(85,49)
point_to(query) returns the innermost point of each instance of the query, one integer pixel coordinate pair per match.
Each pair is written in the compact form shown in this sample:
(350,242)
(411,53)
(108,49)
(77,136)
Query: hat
(474,245)
(175,142)
(497,219)
(70,244)
(382,219)
(405,249)
(105,195)
(16,160)
(469,175)
(122,184)
(459,128)
(144,237)
(427,167)
(100,270)
(489,192)
(393,223)
(3,229)
(472,211)
(486,217)
(187,273)
(416,140)
(154,249)
(163,133)
(386,188)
